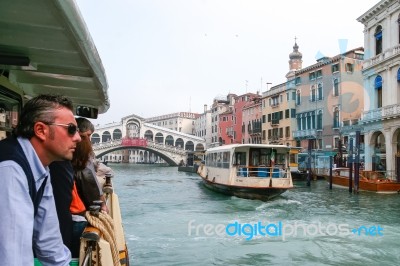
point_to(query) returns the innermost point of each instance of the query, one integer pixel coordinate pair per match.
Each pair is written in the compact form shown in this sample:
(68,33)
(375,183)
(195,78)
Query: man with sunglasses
(46,132)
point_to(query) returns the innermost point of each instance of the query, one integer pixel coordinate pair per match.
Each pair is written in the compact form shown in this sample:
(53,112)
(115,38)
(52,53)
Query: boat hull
(378,186)
(254,193)
(189,169)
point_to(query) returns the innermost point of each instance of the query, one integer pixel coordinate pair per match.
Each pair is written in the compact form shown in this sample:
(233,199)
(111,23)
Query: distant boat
(193,161)
(368,181)
(250,171)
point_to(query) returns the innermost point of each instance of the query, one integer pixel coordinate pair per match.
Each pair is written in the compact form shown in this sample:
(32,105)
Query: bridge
(133,134)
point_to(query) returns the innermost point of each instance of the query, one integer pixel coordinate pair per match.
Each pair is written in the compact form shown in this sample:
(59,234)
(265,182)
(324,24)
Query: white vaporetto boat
(251,171)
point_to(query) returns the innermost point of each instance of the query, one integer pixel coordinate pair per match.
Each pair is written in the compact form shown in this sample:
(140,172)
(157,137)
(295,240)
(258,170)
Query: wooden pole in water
(350,161)
(330,171)
(357,163)
(309,164)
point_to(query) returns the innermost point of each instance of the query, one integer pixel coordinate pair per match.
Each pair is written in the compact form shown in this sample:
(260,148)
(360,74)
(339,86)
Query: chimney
(205,108)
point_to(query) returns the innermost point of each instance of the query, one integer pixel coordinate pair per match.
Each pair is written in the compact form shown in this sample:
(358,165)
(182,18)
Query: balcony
(379,114)
(305,134)
(372,62)
(351,129)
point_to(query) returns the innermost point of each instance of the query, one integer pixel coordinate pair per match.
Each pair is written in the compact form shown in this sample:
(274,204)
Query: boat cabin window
(239,158)
(10,108)
(218,159)
(266,157)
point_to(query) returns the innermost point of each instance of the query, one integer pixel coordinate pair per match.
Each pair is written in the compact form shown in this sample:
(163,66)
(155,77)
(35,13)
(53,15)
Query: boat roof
(236,146)
(45,47)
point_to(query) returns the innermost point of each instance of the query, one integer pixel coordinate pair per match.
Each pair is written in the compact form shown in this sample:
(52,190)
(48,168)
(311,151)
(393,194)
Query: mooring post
(350,162)
(309,164)
(330,171)
(357,163)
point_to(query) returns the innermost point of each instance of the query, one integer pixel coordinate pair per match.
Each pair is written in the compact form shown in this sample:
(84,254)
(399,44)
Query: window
(319,120)
(311,76)
(320,95)
(287,115)
(298,102)
(299,122)
(378,89)
(309,121)
(349,68)
(275,101)
(313,95)
(287,132)
(398,75)
(335,87)
(319,74)
(378,40)
(335,68)
(293,113)
(297,81)
(336,122)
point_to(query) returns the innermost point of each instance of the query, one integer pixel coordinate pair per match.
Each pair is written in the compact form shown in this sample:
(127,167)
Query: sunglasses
(71,128)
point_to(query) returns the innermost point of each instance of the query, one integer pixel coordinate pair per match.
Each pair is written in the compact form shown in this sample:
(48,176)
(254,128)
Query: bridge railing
(140,143)
(107,144)
(168,148)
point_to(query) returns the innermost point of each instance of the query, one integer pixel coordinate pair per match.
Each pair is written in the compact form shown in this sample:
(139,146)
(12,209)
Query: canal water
(170,218)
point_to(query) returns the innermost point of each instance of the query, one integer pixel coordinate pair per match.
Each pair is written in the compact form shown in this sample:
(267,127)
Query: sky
(167,56)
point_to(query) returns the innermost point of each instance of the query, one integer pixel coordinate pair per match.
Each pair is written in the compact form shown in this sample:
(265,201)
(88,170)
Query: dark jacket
(87,186)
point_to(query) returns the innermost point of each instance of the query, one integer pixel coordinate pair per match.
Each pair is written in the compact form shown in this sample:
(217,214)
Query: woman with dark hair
(86,188)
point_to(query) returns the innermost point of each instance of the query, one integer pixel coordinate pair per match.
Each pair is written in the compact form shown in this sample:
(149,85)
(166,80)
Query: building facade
(203,126)
(279,114)
(182,122)
(381,73)
(329,94)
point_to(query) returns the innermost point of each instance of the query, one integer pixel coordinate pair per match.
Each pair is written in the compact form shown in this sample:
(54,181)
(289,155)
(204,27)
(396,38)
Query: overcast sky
(166,56)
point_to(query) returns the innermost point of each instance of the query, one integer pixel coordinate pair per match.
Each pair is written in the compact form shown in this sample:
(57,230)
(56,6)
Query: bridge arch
(106,136)
(179,143)
(189,146)
(199,147)
(95,138)
(159,138)
(149,135)
(169,140)
(117,133)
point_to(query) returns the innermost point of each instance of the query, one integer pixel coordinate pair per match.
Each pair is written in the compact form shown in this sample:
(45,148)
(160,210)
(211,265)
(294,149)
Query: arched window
(319,120)
(335,87)
(298,101)
(309,120)
(313,96)
(336,117)
(378,40)
(320,95)
(378,89)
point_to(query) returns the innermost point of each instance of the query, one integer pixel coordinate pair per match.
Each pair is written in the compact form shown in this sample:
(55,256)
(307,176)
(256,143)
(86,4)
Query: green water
(159,204)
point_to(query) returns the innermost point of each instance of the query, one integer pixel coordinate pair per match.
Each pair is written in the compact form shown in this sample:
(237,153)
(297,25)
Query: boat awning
(45,47)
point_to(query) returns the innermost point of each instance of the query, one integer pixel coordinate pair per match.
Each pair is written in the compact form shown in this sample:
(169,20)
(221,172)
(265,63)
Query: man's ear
(41,130)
